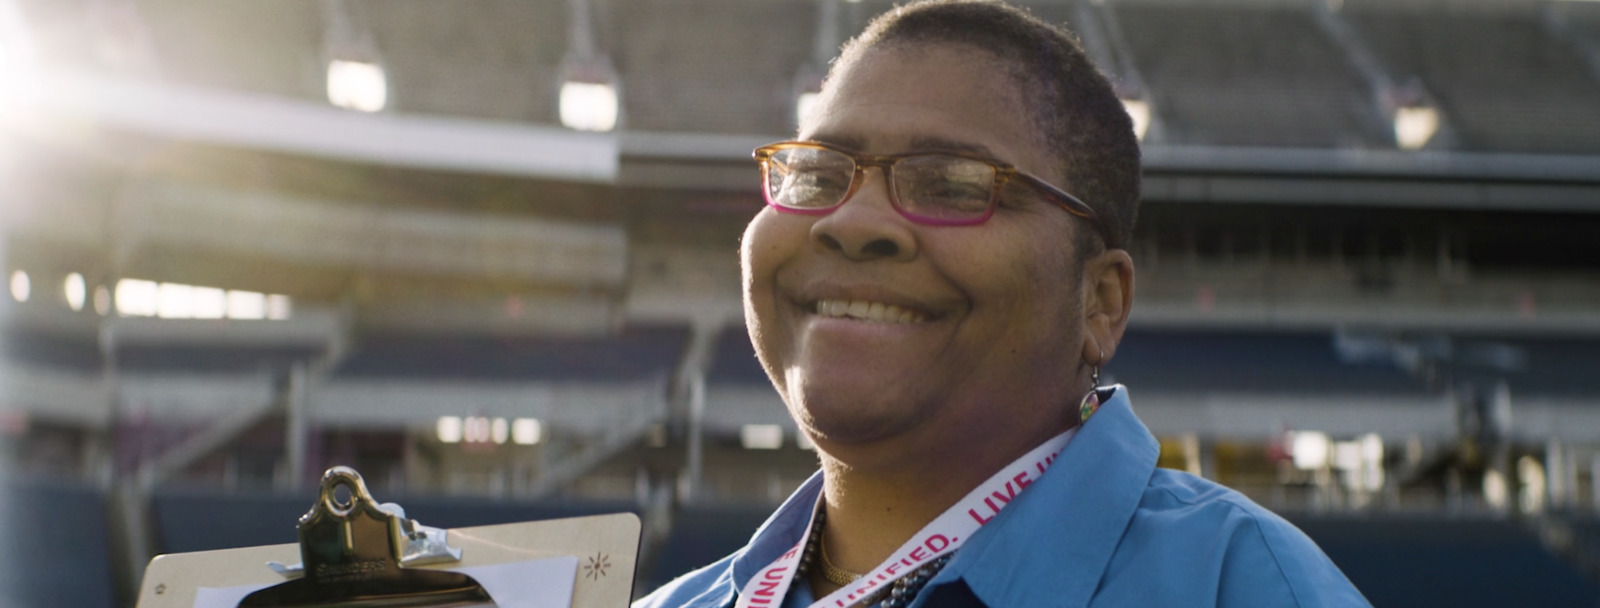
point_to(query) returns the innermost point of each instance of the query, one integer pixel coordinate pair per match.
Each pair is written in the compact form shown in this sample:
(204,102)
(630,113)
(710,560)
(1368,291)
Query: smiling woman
(938,335)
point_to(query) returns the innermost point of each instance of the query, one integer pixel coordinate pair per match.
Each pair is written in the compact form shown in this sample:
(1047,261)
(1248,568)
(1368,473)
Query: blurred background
(484,251)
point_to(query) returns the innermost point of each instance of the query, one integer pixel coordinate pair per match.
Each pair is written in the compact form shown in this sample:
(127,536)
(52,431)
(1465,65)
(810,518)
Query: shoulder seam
(1255,523)
(1287,582)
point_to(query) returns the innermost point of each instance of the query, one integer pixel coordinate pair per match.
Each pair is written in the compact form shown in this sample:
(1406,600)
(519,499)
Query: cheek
(767,243)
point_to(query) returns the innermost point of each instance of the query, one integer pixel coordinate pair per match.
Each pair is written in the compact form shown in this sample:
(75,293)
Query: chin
(850,421)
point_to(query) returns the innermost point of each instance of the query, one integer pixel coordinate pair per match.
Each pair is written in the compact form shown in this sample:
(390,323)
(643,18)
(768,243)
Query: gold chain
(830,572)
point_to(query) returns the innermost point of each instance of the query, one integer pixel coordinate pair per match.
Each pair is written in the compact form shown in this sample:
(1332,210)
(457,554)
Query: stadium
(485,252)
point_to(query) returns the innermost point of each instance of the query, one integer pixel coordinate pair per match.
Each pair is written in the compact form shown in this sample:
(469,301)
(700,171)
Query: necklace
(898,595)
(831,573)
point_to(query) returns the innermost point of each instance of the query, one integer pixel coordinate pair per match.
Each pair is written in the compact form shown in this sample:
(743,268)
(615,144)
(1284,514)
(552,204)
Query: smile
(868,311)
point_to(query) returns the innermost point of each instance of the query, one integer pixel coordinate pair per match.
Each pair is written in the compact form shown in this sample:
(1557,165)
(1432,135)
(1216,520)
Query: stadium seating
(634,354)
(57,546)
(154,359)
(1249,76)
(700,535)
(1245,361)
(735,360)
(737,81)
(206,519)
(52,350)
(1431,561)
(1504,83)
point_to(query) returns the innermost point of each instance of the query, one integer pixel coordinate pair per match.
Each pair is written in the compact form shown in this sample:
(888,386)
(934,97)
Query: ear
(1108,296)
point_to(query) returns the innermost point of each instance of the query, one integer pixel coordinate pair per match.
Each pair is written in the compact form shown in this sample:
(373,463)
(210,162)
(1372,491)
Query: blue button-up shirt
(1103,527)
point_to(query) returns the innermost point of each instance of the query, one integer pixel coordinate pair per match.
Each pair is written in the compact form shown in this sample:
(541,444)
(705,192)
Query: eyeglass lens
(930,186)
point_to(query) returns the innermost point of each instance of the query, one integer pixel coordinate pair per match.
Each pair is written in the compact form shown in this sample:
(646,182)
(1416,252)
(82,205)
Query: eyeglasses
(939,189)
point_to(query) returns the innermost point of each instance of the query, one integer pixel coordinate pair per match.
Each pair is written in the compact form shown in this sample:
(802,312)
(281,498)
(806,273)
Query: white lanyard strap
(942,536)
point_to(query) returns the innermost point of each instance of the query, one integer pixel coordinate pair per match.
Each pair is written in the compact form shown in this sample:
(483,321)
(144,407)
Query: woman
(933,287)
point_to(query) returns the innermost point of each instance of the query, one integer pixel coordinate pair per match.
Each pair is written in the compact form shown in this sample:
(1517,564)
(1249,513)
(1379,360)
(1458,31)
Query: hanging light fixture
(356,79)
(590,87)
(1415,117)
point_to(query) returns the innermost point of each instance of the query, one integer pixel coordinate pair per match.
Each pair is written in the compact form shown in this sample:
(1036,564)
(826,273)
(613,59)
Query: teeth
(868,311)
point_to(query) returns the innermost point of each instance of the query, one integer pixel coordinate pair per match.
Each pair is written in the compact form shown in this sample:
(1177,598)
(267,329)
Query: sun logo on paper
(596,566)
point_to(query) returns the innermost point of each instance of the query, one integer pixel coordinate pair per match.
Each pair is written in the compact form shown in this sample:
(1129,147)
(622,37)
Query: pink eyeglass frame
(1003,173)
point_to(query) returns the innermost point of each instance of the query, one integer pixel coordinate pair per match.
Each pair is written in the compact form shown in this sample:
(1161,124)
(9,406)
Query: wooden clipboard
(605,547)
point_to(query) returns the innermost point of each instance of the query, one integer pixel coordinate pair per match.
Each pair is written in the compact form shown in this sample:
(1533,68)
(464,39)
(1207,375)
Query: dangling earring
(1091,401)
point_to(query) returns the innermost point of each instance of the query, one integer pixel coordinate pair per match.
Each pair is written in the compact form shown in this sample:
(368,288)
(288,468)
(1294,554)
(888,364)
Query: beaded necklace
(898,595)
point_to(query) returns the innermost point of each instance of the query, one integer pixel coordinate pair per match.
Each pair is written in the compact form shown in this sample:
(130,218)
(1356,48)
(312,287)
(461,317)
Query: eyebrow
(941,144)
(923,143)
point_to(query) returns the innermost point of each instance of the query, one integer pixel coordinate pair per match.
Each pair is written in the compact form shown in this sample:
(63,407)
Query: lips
(864,310)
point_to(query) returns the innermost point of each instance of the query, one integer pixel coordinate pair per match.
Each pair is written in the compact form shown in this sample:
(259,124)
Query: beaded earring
(1091,401)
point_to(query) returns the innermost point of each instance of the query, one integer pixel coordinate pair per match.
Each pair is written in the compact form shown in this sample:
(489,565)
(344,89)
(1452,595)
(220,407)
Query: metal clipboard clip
(356,553)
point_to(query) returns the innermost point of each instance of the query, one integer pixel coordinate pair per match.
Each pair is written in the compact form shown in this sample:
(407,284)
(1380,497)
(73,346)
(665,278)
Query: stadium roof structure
(211,127)
(476,86)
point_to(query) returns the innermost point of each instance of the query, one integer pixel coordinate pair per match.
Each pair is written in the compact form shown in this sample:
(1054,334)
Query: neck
(873,510)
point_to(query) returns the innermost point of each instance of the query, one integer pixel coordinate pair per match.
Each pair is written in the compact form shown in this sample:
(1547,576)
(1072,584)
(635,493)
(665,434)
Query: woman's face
(926,333)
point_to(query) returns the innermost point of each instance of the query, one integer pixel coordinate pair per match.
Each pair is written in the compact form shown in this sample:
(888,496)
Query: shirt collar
(1049,547)
(780,532)
(1052,544)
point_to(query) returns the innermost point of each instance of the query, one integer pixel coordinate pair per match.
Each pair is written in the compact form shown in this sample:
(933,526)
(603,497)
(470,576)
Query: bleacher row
(1509,78)
(1163,359)
(59,544)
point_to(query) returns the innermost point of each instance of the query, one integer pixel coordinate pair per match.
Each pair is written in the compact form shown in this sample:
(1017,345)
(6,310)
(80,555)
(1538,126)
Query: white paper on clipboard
(540,583)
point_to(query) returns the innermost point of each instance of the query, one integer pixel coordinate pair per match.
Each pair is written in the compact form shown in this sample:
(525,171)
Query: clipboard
(355,553)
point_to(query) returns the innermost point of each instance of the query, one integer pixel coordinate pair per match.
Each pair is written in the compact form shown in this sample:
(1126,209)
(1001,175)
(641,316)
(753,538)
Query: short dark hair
(1074,107)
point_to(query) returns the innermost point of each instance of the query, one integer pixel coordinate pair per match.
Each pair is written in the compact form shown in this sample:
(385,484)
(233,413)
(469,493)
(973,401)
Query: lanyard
(943,535)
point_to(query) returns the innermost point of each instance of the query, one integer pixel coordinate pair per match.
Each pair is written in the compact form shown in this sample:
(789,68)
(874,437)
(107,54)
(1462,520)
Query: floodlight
(590,98)
(21,287)
(136,298)
(1415,126)
(526,431)
(278,306)
(761,436)
(475,429)
(175,301)
(1309,449)
(247,305)
(1531,496)
(1495,490)
(1139,111)
(804,104)
(102,300)
(208,303)
(499,430)
(74,290)
(448,429)
(589,106)
(357,85)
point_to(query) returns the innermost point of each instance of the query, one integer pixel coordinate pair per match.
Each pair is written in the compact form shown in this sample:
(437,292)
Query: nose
(867,226)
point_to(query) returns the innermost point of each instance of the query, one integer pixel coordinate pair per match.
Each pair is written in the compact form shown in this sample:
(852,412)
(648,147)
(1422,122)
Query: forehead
(905,98)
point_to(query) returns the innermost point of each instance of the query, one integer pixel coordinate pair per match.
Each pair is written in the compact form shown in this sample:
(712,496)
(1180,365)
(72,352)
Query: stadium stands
(633,354)
(201,519)
(701,535)
(739,80)
(157,359)
(51,350)
(1221,82)
(1199,361)
(1504,83)
(735,361)
(57,547)
(1428,561)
